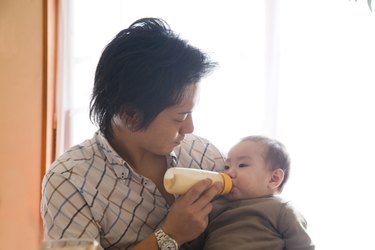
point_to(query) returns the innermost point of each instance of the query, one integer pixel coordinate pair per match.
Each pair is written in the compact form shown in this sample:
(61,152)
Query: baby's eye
(226,167)
(243,165)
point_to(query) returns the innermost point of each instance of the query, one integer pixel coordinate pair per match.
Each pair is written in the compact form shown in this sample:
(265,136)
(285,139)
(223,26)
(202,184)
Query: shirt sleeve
(198,152)
(64,211)
(293,228)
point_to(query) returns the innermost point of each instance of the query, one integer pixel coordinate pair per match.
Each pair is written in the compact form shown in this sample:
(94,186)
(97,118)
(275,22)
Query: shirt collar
(122,168)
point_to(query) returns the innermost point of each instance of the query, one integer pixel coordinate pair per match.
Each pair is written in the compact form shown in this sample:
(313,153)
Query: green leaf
(369,4)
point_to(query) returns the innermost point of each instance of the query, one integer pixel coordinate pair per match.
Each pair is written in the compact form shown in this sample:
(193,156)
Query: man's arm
(64,211)
(198,152)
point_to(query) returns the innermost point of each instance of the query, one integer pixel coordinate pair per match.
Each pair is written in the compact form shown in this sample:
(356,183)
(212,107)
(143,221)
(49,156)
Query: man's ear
(277,178)
(131,117)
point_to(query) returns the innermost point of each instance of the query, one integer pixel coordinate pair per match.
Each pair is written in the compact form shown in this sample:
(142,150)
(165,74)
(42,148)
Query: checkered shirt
(90,192)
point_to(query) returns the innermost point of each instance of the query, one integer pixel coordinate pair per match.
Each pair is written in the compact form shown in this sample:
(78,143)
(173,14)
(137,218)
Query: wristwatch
(165,242)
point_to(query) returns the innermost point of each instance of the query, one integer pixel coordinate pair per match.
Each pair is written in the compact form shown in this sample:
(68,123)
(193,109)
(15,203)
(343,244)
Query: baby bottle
(179,180)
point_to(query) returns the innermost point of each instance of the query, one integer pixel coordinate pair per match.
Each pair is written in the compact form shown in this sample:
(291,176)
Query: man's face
(168,129)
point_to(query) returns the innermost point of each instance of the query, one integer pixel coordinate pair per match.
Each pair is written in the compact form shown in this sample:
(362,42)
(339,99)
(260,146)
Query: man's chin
(176,145)
(171,148)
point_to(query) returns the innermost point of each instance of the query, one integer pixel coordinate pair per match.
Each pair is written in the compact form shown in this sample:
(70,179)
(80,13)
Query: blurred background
(296,70)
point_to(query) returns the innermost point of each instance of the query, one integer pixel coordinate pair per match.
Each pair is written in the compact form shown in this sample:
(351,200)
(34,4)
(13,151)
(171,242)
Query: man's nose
(188,125)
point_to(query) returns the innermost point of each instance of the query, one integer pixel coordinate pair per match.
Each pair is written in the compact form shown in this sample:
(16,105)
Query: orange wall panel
(21,122)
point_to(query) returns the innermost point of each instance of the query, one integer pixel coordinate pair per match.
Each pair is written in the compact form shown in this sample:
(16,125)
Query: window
(300,71)
(238,49)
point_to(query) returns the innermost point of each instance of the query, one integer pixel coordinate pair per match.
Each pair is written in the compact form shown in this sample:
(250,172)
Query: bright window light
(299,71)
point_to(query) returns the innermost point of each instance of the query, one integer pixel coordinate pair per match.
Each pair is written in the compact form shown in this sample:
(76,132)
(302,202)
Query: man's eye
(243,165)
(181,118)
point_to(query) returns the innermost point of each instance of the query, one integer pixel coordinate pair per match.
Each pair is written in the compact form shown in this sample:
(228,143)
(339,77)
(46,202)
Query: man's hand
(188,216)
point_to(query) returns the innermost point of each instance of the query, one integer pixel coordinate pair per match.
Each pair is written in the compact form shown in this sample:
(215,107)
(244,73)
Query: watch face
(168,244)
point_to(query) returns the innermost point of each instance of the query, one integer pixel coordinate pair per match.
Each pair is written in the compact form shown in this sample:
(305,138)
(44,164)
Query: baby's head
(259,166)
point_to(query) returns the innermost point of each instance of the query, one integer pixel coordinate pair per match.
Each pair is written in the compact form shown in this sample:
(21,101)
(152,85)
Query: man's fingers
(208,195)
(196,191)
(201,193)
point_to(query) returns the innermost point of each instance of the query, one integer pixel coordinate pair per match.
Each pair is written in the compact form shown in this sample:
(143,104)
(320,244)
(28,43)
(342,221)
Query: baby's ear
(277,178)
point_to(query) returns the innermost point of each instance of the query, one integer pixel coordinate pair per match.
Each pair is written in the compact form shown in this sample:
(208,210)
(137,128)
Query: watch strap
(161,237)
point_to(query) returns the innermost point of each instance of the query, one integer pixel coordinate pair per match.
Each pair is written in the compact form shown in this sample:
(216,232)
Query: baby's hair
(276,155)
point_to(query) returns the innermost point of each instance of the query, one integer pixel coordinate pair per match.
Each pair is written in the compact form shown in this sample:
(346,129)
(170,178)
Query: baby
(252,215)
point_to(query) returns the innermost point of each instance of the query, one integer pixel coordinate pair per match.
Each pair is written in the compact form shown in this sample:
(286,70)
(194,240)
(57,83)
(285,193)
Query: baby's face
(247,168)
